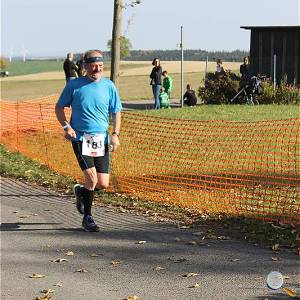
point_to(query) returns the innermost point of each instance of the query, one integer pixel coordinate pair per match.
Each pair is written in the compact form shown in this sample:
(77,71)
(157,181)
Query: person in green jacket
(167,83)
(163,99)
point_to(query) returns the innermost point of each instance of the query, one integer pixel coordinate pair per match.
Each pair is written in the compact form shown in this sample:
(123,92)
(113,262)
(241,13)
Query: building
(282,41)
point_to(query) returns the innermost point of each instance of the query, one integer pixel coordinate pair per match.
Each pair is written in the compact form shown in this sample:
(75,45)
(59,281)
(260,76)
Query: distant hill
(167,55)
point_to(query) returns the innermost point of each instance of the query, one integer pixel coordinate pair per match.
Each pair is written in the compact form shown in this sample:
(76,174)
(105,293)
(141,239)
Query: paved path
(37,227)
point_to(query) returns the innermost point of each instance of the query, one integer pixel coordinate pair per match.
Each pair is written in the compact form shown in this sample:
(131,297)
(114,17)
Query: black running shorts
(101,163)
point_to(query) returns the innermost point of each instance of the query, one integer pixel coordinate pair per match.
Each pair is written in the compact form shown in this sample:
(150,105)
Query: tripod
(248,96)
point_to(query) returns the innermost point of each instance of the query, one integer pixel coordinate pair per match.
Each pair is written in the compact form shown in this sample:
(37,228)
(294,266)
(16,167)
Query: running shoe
(89,224)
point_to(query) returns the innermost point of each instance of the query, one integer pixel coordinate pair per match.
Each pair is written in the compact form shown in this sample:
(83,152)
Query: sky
(55,27)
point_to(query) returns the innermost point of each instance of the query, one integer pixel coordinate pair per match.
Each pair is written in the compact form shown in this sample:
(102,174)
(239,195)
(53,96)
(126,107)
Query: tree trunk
(115,46)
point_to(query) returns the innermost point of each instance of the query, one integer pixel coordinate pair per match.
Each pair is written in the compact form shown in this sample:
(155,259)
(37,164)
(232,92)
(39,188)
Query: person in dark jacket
(80,66)
(156,81)
(70,68)
(245,72)
(189,97)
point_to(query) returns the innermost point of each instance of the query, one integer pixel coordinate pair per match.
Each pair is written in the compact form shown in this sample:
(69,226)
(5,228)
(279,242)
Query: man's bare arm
(61,118)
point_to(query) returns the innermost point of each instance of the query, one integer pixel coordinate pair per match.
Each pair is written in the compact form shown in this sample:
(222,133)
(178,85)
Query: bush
(219,89)
(284,93)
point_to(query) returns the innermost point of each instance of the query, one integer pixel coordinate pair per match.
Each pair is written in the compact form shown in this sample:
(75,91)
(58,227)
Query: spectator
(167,83)
(189,97)
(219,68)
(245,72)
(156,81)
(70,68)
(163,98)
(93,99)
(80,66)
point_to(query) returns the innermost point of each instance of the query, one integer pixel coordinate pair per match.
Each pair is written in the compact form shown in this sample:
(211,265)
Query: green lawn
(16,68)
(35,66)
(229,112)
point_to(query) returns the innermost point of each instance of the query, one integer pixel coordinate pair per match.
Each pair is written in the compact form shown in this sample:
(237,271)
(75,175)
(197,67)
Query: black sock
(87,199)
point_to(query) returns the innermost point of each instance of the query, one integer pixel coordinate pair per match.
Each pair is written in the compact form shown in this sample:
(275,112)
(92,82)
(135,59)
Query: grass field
(45,79)
(239,113)
(16,68)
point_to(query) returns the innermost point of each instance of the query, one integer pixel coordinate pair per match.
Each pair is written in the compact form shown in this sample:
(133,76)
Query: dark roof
(271,27)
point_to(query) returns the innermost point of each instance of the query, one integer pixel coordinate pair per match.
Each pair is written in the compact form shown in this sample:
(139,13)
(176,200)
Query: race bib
(93,145)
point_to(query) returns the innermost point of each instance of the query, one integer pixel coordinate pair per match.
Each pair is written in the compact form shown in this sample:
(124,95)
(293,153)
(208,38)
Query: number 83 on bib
(93,145)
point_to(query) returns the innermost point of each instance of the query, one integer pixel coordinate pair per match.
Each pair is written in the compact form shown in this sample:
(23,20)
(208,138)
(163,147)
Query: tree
(116,38)
(125,46)
(3,63)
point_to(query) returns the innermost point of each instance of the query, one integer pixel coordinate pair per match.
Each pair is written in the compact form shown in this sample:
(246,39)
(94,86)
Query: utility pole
(181,68)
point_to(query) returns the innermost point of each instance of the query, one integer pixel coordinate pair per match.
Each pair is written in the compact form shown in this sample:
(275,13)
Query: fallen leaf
(184,227)
(94,255)
(59,260)
(222,237)
(81,270)
(275,258)
(132,298)
(36,275)
(290,292)
(58,284)
(275,247)
(194,286)
(116,262)
(191,243)
(70,253)
(180,260)
(158,268)
(43,297)
(49,291)
(190,274)
(141,242)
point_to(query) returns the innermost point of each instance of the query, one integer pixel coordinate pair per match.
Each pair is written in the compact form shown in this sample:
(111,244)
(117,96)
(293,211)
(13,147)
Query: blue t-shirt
(92,102)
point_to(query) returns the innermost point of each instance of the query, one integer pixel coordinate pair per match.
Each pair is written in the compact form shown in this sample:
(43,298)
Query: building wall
(285,43)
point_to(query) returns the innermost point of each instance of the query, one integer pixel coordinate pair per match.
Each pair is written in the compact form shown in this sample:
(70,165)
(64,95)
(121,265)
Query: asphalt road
(38,227)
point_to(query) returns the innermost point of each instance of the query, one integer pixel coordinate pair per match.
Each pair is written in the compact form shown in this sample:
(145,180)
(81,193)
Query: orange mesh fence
(233,168)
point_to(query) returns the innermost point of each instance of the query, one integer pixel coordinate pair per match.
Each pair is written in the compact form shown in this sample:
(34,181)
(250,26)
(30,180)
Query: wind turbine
(24,52)
(11,53)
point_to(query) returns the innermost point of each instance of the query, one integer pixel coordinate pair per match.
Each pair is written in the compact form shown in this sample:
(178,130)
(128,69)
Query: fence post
(181,69)
(18,130)
(274,73)
(44,135)
(206,68)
